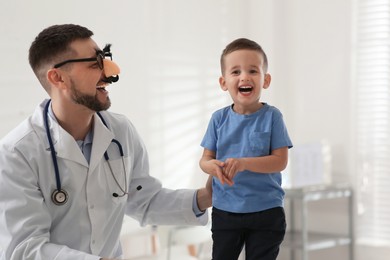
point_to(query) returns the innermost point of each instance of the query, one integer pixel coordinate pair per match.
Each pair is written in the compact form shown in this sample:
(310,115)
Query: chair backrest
(138,241)
(187,236)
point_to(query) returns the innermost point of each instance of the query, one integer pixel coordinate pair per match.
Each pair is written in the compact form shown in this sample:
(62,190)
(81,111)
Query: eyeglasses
(100,56)
(99,59)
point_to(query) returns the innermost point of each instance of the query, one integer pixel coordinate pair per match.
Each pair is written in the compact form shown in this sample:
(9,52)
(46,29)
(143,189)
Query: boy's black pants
(261,232)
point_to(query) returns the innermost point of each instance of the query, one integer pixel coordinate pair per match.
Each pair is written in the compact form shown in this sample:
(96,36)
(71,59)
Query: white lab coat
(88,225)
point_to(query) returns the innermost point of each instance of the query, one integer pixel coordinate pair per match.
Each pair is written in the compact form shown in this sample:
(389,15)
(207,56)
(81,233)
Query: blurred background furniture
(139,242)
(192,238)
(304,239)
(165,242)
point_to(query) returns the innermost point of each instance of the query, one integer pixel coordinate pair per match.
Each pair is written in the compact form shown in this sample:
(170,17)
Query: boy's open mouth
(245,89)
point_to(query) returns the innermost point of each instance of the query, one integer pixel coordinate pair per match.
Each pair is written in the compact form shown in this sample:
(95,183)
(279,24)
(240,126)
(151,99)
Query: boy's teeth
(245,88)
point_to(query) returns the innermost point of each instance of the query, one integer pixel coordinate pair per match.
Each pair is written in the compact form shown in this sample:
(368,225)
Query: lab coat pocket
(260,143)
(117,173)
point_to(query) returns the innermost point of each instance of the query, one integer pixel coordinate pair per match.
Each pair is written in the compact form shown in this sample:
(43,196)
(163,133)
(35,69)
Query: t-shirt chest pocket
(260,143)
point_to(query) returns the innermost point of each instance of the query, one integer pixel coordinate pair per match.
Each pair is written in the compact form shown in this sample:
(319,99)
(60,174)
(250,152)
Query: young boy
(245,149)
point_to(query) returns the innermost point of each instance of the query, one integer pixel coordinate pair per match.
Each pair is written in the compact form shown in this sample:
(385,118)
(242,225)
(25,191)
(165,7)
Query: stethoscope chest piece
(59,197)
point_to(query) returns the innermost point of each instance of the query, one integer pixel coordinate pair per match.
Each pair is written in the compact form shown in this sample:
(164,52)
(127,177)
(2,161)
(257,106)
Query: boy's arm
(211,166)
(275,162)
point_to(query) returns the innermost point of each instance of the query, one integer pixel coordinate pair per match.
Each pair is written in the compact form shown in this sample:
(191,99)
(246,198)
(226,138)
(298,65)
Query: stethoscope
(59,195)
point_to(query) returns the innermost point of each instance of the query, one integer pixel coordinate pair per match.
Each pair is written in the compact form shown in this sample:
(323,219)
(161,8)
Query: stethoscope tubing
(60,196)
(53,154)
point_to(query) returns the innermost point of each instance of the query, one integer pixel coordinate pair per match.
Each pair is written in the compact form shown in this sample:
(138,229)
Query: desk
(305,240)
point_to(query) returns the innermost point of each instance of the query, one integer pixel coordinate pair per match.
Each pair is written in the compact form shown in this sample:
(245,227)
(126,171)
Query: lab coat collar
(37,123)
(65,145)
(101,140)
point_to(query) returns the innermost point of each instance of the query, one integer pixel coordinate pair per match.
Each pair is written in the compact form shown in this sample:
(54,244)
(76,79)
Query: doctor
(70,172)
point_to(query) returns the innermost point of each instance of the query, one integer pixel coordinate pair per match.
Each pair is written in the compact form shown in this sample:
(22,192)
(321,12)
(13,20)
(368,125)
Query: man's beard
(89,101)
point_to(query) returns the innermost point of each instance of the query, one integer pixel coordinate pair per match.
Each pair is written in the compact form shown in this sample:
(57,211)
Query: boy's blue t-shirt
(233,135)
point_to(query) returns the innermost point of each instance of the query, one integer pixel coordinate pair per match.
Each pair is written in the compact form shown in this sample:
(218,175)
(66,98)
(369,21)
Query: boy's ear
(267,80)
(222,83)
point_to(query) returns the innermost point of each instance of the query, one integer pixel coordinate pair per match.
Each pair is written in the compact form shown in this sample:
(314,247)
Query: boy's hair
(243,44)
(52,44)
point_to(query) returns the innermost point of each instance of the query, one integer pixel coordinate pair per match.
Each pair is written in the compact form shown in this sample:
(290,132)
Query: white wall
(311,54)
(173,46)
(311,47)
(169,51)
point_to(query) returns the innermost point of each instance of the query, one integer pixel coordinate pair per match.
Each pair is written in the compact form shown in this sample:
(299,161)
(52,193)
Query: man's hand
(204,195)
(209,185)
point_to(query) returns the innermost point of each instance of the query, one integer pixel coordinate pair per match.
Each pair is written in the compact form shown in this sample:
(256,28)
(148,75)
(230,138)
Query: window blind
(372,124)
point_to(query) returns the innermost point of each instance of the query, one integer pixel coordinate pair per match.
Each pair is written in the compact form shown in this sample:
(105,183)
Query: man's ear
(267,80)
(54,76)
(222,83)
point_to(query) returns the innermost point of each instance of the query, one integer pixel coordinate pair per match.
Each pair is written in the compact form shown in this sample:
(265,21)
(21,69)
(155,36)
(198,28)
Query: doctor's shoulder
(18,134)
(22,146)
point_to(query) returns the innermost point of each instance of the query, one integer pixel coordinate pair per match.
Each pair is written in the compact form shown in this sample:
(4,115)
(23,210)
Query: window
(372,124)
(183,88)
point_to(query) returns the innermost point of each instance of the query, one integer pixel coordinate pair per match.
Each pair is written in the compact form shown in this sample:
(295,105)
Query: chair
(191,237)
(138,242)
(163,242)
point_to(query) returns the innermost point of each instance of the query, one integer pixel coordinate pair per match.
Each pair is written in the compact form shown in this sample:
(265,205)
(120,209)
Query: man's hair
(243,44)
(51,44)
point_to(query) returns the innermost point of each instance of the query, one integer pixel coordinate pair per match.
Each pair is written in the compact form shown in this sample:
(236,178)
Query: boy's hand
(215,168)
(232,167)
